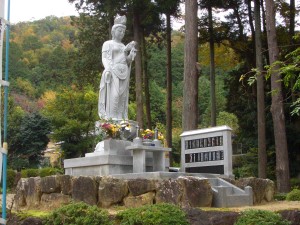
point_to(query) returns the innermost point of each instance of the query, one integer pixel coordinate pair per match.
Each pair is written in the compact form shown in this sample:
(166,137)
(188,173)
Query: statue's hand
(130,46)
(132,54)
(107,77)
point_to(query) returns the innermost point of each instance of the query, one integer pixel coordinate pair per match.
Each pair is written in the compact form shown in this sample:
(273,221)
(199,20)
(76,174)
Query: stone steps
(228,195)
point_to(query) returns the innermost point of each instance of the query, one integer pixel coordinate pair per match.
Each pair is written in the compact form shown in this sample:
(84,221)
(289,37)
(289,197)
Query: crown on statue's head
(120,20)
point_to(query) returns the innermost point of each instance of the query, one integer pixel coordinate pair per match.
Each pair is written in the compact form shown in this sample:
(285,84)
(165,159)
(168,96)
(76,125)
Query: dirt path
(9,200)
(272,206)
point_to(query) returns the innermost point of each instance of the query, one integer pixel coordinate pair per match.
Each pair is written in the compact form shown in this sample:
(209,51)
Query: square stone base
(103,165)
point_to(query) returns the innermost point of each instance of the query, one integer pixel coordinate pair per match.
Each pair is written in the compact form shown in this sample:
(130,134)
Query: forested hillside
(55,70)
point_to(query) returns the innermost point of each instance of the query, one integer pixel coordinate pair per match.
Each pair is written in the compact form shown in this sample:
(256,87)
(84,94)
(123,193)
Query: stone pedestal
(139,157)
(115,159)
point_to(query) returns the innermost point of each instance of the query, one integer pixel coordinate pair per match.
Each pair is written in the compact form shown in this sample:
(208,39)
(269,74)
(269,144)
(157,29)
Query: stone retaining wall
(53,191)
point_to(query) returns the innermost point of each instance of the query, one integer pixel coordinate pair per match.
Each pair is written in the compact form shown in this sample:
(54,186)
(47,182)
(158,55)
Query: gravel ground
(272,206)
(9,200)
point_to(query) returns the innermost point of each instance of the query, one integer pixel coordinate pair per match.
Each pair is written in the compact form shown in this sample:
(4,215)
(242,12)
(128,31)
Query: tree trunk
(282,160)
(138,71)
(190,79)
(263,16)
(250,17)
(169,88)
(292,18)
(212,69)
(239,21)
(261,121)
(110,25)
(146,85)
(292,34)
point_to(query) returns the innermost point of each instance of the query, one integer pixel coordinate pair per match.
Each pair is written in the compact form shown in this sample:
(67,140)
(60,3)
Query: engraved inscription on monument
(204,156)
(207,151)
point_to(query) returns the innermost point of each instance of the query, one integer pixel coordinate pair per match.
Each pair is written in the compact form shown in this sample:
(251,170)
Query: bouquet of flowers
(149,134)
(115,130)
(111,130)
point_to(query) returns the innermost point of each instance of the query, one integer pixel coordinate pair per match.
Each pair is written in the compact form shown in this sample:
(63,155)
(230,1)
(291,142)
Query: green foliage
(48,171)
(11,175)
(24,86)
(22,215)
(42,53)
(78,213)
(280,196)
(205,99)
(261,217)
(294,195)
(28,139)
(43,172)
(229,119)
(73,113)
(92,32)
(246,165)
(296,107)
(176,145)
(163,214)
(157,99)
(29,173)
(295,183)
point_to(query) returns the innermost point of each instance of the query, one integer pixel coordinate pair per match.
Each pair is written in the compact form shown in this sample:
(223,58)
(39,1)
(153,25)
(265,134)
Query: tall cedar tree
(277,110)
(138,68)
(169,8)
(190,79)
(261,118)
(212,68)
(209,6)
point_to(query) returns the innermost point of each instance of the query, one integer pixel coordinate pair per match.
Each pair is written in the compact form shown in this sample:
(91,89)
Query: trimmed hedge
(43,172)
(294,195)
(280,196)
(78,213)
(261,217)
(162,214)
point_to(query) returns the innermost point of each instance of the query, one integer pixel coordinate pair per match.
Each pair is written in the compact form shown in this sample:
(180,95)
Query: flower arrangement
(115,130)
(149,134)
(110,130)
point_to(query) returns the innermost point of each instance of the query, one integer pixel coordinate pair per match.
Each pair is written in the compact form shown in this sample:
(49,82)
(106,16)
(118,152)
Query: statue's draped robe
(113,93)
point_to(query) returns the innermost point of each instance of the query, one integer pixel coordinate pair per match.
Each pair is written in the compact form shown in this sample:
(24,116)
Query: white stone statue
(114,84)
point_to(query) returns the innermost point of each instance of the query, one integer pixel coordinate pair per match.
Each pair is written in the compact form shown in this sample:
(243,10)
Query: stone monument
(114,85)
(125,153)
(207,150)
(126,156)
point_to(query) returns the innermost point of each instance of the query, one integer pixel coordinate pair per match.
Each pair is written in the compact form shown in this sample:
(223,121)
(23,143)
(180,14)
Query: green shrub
(78,213)
(30,173)
(280,196)
(43,172)
(48,171)
(294,195)
(295,183)
(261,217)
(11,175)
(162,214)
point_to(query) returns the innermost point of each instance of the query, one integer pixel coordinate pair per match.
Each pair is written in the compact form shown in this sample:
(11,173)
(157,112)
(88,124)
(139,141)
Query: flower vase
(147,142)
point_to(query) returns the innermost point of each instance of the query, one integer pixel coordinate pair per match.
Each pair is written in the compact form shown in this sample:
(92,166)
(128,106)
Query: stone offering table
(139,157)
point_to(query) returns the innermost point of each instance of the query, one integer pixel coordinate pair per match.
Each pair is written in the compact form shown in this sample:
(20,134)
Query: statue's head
(119,22)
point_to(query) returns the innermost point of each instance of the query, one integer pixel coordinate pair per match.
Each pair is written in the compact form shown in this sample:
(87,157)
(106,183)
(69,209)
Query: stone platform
(130,160)
(118,157)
